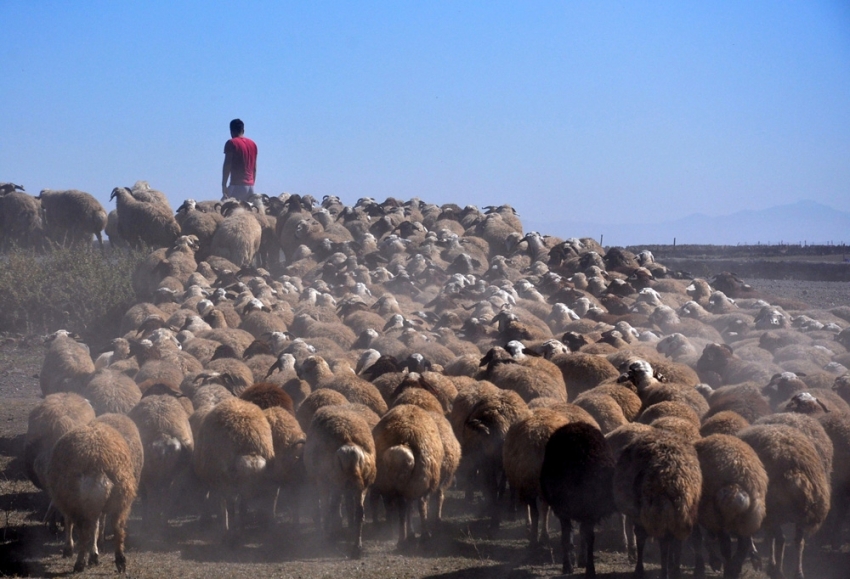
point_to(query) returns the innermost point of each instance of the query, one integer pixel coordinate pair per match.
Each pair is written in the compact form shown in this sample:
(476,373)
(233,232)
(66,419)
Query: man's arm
(225,174)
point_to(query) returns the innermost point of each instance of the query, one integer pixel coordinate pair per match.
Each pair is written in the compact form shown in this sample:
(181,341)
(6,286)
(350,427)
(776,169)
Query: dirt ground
(190,547)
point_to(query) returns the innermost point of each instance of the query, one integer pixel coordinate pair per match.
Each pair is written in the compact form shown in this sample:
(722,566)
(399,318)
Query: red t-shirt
(243,153)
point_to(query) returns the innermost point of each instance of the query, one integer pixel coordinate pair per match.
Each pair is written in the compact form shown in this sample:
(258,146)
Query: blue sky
(597,111)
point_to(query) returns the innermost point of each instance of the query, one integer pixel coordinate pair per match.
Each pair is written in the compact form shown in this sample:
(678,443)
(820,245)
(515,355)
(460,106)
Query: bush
(81,290)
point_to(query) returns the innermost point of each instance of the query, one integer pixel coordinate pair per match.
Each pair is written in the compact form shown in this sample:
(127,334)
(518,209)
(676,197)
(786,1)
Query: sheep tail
(94,491)
(166,446)
(400,462)
(352,460)
(732,501)
(250,464)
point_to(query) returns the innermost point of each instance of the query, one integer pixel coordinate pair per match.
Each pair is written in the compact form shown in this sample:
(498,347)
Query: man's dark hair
(237,127)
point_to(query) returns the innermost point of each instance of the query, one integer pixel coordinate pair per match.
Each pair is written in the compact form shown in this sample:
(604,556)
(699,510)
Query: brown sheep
(317,373)
(111,391)
(526,379)
(583,371)
(266,395)
(286,469)
(53,417)
(837,427)
(67,364)
(315,400)
(604,409)
(576,479)
(813,431)
(744,399)
(409,454)
(734,490)
(232,451)
(522,455)
(724,422)
(657,482)
(340,458)
(482,438)
(798,488)
(451,460)
(168,442)
(91,474)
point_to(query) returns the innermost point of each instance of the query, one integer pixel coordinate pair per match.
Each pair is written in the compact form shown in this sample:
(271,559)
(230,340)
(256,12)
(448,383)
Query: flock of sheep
(285,352)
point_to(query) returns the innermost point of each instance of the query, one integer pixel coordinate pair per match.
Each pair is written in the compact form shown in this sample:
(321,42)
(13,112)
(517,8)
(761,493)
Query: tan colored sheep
(91,474)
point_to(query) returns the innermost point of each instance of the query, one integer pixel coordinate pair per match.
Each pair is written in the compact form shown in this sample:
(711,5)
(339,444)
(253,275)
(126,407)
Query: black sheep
(577,481)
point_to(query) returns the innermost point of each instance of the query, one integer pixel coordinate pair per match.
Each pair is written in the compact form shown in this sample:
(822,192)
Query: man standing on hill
(240,164)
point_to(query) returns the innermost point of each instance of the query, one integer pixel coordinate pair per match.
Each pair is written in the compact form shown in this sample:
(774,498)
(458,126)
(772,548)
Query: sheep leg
(438,510)
(567,545)
(423,515)
(491,490)
(715,547)
(94,554)
(777,552)
(588,537)
(358,499)
(402,520)
(512,497)
(726,553)
(333,520)
(120,524)
(699,559)
(581,561)
(640,543)
(734,567)
(374,501)
(224,515)
(664,544)
(799,544)
(544,522)
(831,533)
(629,537)
(753,554)
(68,549)
(87,537)
(534,515)
(674,568)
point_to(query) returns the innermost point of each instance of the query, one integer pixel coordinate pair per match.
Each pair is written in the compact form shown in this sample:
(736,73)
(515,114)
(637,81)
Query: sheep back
(798,488)
(409,453)
(658,482)
(340,449)
(734,486)
(577,472)
(233,446)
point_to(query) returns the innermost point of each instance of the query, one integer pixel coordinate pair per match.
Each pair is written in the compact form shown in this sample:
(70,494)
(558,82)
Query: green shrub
(81,290)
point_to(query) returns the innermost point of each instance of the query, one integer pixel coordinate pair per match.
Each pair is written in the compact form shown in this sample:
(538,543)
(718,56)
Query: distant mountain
(803,221)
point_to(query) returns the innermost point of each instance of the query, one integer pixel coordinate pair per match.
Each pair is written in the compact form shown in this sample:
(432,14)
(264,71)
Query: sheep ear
(822,405)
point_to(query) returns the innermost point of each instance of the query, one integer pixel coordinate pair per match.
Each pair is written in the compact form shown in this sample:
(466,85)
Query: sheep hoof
(774,572)
(94,559)
(632,555)
(79,566)
(567,569)
(120,562)
(356,552)
(714,561)
(67,552)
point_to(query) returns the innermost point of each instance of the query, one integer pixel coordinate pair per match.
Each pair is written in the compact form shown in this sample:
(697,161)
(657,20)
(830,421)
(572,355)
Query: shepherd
(240,164)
